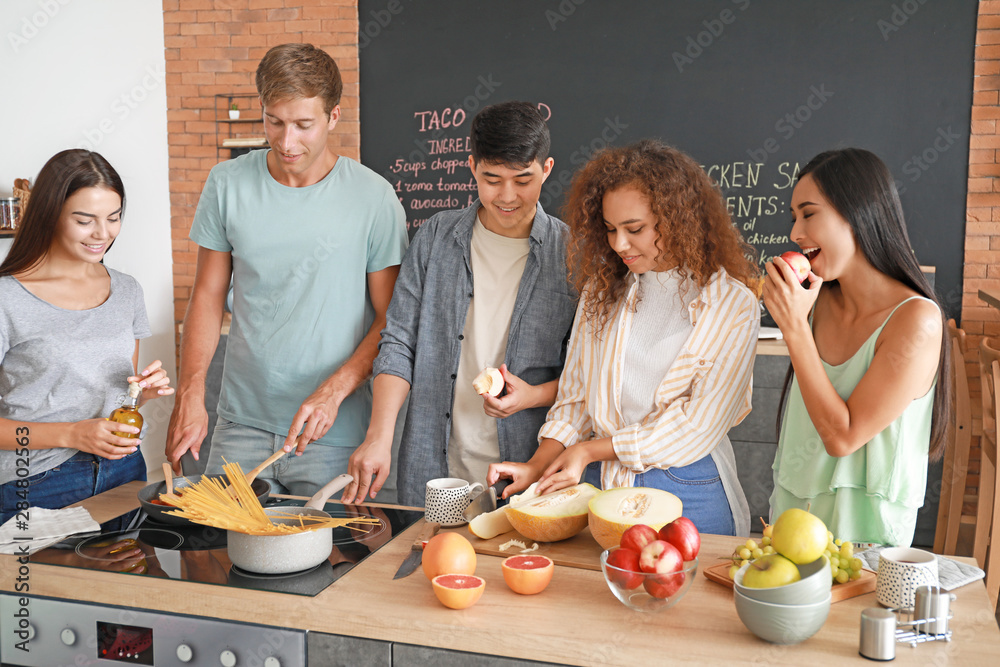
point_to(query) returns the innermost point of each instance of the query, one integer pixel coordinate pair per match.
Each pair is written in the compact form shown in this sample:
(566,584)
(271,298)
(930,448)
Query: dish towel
(43,528)
(951,573)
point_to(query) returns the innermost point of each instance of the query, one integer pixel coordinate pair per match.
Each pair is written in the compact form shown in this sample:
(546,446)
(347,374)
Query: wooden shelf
(6,232)
(222,104)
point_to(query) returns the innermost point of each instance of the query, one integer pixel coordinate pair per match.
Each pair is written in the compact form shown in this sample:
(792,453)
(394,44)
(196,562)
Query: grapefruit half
(458,591)
(527,574)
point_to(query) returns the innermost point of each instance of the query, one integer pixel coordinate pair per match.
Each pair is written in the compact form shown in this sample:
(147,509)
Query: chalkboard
(750,89)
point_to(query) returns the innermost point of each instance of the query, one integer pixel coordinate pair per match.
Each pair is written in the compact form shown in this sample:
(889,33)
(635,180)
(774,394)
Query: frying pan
(159,512)
(281,554)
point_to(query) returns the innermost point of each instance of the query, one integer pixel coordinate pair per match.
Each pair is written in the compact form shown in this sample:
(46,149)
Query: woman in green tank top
(867,397)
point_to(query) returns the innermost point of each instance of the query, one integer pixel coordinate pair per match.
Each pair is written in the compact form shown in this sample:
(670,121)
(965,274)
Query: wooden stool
(956,456)
(988,509)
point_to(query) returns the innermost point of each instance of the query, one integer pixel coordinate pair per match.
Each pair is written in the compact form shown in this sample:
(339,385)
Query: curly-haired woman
(660,358)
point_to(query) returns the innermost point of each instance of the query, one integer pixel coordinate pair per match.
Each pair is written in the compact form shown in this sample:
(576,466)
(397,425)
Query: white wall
(90,74)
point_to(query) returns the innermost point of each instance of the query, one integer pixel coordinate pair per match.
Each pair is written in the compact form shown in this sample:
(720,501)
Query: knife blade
(412,561)
(485,501)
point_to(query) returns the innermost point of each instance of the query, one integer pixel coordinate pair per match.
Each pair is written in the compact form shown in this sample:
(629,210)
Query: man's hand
(313,419)
(520,395)
(188,428)
(373,457)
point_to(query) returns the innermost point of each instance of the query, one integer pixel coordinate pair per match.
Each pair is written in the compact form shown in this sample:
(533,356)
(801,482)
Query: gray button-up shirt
(422,339)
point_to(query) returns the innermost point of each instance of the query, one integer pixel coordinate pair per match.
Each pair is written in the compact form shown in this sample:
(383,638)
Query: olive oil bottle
(128,413)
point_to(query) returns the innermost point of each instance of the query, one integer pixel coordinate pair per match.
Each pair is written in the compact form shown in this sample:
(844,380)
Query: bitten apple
(682,533)
(628,575)
(798,262)
(660,557)
(489,381)
(638,536)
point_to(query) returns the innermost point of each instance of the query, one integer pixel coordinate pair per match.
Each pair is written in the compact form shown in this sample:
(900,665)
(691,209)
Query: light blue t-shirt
(300,295)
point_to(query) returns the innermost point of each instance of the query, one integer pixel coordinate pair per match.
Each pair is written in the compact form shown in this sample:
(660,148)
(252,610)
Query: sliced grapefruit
(448,553)
(527,574)
(458,591)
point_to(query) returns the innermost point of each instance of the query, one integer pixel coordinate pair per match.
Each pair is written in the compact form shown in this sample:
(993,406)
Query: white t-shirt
(497,265)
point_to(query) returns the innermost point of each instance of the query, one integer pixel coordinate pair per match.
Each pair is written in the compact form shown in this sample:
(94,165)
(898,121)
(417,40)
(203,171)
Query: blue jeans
(697,485)
(71,481)
(291,474)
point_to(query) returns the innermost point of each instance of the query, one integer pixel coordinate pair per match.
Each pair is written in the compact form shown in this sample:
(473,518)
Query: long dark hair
(64,174)
(861,189)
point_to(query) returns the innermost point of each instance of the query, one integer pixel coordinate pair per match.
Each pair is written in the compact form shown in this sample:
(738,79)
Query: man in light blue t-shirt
(312,242)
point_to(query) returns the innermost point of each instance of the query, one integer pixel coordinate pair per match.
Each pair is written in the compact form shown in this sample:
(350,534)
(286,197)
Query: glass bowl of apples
(643,590)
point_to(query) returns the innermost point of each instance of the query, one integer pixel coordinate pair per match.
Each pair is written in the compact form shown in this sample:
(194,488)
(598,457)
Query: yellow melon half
(614,510)
(554,516)
(490,524)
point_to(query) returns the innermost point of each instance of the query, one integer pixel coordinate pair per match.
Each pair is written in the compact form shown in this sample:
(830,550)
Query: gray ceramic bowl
(814,585)
(782,623)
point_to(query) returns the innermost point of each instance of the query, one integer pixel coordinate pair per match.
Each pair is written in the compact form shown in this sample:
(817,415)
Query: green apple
(799,536)
(770,571)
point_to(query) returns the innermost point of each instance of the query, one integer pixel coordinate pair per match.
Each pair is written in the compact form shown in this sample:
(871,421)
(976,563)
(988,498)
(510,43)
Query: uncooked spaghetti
(234,506)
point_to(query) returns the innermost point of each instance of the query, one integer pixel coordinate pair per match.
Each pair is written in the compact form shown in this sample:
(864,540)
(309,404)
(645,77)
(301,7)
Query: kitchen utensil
(485,501)
(252,475)
(412,561)
(900,571)
(446,498)
(157,512)
(781,623)
(878,634)
(168,478)
(635,589)
(294,552)
(814,585)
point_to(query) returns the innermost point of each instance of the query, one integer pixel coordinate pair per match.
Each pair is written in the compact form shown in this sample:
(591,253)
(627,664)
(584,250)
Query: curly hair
(695,229)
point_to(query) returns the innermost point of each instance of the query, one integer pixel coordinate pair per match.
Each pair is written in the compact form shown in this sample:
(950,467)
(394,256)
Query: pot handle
(336,484)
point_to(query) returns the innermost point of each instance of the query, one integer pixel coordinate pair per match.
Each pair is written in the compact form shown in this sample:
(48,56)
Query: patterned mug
(900,571)
(447,498)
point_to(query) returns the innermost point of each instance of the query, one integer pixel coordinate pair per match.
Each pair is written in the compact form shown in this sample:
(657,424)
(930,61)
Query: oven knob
(184,653)
(272,662)
(227,658)
(68,637)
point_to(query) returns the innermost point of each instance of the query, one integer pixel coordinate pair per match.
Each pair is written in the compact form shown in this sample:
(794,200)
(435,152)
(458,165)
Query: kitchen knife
(412,561)
(485,501)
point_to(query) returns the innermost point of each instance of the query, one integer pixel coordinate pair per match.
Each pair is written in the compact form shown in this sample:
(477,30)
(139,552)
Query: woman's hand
(96,436)
(566,470)
(522,475)
(787,301)
(520,395)
(154,382)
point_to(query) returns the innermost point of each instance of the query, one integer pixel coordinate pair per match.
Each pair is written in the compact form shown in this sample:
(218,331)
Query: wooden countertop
(576,620)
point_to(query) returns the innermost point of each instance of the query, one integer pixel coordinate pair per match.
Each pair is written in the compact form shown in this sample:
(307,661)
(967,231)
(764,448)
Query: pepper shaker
(878,634)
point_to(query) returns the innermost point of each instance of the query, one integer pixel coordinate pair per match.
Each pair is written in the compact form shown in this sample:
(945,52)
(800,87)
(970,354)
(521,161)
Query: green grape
(829,536)
(768,550)
(847,550)
(757,553)
(832,548)
(733,569)
(767,532)
(842,577)
(765,541)
(838,542)
(855,575)
(857,564)
(744,562)
(745,553)
(751,545)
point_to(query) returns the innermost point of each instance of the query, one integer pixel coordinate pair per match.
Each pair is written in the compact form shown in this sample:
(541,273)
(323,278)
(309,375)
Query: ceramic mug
(900,571)
(447,498)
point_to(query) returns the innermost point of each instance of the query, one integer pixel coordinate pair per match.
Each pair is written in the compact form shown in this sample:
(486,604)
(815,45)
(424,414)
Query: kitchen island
(368,618)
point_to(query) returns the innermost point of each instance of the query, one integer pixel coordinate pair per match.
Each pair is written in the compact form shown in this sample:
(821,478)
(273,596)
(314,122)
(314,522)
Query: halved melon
(490,524)
(554,516)
(614,510)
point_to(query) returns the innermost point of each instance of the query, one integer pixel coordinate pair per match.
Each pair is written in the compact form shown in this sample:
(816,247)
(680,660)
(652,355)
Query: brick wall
(213,47)
(982,234)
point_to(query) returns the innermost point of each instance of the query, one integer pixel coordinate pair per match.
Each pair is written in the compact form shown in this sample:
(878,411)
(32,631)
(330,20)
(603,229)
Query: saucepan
(158,512)
(294,552)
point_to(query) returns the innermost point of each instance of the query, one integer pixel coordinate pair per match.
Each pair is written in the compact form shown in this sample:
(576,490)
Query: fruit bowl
(814,585)
(645,591)
(782,623)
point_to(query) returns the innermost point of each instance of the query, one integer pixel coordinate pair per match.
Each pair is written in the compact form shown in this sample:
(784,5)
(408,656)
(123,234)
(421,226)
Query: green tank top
(871,495)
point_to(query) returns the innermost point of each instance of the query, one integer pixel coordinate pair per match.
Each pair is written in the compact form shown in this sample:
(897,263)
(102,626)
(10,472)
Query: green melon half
(554,516)
(613,511)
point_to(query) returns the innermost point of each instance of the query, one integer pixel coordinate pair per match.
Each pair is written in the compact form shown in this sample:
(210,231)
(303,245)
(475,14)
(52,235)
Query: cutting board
(866,584)
(580,551)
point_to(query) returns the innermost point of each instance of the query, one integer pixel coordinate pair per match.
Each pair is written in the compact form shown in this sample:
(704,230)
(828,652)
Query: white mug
(447,498)
(900,571)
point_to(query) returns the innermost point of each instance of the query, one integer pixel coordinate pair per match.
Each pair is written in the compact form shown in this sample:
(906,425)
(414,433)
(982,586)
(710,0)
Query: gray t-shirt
(61,365)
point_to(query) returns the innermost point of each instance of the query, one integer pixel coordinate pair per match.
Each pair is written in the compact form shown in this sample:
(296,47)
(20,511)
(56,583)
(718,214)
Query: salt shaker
(878,634)
(931,602)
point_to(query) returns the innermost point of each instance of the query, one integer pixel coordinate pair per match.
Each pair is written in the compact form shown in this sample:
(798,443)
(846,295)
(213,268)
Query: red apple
(660,557)
(798,262)
(683,534)
(663,585)
(638,536)
(627,575)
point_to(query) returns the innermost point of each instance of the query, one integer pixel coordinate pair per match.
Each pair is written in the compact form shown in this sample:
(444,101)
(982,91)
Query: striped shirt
(704,394)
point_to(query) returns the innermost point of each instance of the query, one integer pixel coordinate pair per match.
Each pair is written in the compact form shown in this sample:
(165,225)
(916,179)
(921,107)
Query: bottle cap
(134,389)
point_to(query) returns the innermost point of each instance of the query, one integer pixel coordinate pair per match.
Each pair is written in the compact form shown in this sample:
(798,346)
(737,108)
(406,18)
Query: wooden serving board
(579,551)
(866,584)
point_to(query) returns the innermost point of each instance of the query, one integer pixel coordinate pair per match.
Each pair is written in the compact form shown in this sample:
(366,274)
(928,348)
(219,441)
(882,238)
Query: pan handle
(336,484)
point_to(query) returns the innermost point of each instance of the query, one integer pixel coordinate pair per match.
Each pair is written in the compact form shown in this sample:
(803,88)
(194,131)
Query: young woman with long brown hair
(69,342)
(659,363)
